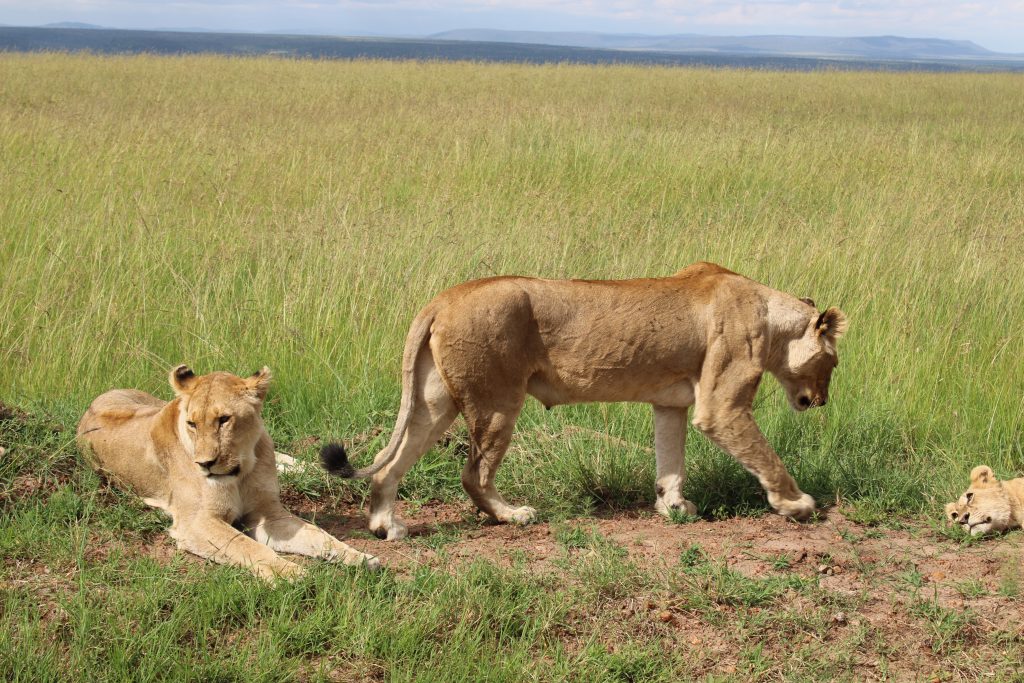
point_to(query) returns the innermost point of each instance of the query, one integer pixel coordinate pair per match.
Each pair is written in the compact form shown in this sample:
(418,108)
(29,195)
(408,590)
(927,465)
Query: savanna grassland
(234,213)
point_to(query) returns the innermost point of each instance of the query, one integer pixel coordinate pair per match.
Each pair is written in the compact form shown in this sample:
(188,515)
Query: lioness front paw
(522,515)
(667,509)
(372,563)
(800,509)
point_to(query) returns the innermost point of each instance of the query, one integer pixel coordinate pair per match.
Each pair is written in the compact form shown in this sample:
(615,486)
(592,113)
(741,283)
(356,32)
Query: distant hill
(116,41)
(868,47)
(71,24)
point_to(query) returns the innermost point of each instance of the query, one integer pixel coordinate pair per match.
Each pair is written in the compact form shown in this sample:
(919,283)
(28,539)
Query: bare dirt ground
(913,596)
(893,604)
(843,553)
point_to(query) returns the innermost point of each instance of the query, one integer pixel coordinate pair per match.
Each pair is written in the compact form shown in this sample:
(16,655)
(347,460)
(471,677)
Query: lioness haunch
(702,337)
(207,460)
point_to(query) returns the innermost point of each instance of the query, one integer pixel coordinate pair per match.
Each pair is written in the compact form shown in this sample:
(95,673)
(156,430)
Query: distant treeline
(116,41)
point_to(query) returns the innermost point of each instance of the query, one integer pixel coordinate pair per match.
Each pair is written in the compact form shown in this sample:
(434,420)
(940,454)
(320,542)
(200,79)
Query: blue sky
(995,24)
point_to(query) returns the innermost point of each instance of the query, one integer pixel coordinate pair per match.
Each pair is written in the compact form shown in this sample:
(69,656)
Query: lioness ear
(982,476)
(259,383)
(831,323)
(182,379)
(809,301)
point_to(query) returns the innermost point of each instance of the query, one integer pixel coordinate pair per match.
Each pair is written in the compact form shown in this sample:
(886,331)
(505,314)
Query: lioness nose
(965,518)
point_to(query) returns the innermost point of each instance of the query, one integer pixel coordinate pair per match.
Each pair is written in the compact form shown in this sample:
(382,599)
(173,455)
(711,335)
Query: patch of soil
(892,585)
(27,485)
(879,597)
(11,413)
(843,554)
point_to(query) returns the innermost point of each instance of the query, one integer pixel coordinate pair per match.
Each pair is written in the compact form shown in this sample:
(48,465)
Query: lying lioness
(206,459)
(702,338)
(989,504)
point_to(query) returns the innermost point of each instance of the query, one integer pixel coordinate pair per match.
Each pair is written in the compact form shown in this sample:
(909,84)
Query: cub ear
(831,323)
(809,301)
(951,512)
(259,383)
(982,475)
(182,379)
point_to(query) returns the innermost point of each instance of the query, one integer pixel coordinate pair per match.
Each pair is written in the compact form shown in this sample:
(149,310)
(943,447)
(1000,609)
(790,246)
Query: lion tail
(333,456)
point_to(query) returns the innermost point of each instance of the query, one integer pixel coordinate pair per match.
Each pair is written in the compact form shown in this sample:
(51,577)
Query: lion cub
(989,504)
(207,460)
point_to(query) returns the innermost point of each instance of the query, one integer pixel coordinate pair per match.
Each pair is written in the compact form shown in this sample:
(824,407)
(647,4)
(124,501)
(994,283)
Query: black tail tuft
(335,461)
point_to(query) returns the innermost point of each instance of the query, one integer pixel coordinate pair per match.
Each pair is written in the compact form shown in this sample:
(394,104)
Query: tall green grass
(231,213)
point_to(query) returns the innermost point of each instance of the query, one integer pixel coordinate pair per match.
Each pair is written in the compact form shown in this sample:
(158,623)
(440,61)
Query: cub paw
(372,563)
(800,509)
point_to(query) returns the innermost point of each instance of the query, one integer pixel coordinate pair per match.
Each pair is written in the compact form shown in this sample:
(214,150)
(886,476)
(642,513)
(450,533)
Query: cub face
(219,419)
(984,507)
(806,370)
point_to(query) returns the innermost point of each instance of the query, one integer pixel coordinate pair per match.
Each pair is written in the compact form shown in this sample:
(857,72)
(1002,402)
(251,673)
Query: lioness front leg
(217,540)
(286,533)
(670,454)
(738,435)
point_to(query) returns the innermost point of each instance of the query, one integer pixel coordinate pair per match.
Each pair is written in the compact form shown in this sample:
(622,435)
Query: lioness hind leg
(286,533)
(434,412)
(670,454)
(490,434)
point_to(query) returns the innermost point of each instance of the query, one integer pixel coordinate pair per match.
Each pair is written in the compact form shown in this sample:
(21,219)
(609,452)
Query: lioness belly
(552,393)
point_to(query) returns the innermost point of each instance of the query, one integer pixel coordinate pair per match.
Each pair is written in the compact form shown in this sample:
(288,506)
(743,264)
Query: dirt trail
(849,558)
(888,604)
(897,604)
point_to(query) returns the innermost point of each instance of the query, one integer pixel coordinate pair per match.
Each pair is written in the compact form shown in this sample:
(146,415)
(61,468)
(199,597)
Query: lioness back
(584,340)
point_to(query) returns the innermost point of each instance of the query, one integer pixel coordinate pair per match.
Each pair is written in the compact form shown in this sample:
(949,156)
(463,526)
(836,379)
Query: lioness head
(219,418)
(983,507)
(809,359)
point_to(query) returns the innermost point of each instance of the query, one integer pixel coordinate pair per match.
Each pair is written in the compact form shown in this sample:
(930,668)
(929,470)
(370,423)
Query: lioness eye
(953,515)
(191,425)
(223,418)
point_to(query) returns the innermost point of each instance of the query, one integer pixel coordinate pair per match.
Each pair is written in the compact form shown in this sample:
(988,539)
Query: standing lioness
(702,338)
(206,459)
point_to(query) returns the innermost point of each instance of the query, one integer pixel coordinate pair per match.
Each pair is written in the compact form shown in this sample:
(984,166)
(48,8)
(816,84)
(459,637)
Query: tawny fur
(207,460)
(989,505)
(700,338)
